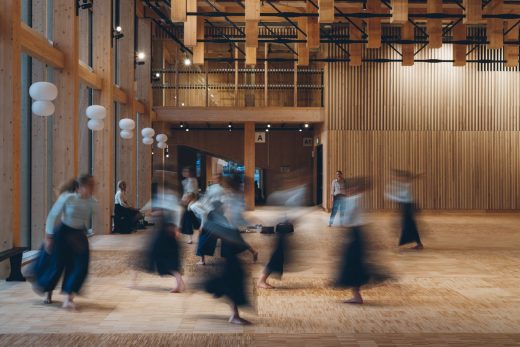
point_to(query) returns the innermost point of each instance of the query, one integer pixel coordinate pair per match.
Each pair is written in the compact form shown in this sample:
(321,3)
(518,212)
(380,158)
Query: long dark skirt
(229,282)
(189,222)
(279,257)
(70,256)
(409,231)
(354,272)
(207,243)
(164,253)
(125,219)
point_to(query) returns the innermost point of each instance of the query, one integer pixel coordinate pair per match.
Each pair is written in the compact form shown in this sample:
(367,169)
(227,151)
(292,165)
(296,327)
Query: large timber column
(249,163)
(126,151)
(10,108)
(65,119)
(104,140)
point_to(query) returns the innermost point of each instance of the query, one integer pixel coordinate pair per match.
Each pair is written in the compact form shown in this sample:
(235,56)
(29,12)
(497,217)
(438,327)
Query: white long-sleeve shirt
(399,192)
(190,185)
(353,211)
(337,187)
(75,212)
(203,206)
(120,198)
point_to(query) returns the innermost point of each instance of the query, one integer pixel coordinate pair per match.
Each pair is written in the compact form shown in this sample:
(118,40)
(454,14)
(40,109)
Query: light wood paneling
(65,120)
(458,125)
(326,11)
(399,11)
(104,140)
(10,123)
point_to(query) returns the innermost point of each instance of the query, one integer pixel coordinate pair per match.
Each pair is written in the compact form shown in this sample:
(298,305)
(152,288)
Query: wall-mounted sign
(307,141)
(285,169)
(259,137)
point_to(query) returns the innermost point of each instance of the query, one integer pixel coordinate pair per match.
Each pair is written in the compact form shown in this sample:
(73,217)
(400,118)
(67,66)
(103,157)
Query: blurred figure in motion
(189,218)
(355,270)
(337,194)
(126,217)
(291,194)
(224,223)
(67,242)
(203,209)
(399,190)
(163,252)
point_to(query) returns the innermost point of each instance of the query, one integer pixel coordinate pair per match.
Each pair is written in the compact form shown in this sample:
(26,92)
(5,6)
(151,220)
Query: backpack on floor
(284,228)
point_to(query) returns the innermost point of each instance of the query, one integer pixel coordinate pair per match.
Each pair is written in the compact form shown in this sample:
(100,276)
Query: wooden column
(313,28)
(126,148)
(10,123)
(399,11)
(252,17)
(249,163)
(374,25)
(326,11)
(495,26)
(355,49)
(65,119)
(511,51)
(473,11)
(434,25)
(301,47)
(144,94)
(407,33)
(459,50)
(104,140)
(266,75)
(190,25)
(178,10)
(198,50)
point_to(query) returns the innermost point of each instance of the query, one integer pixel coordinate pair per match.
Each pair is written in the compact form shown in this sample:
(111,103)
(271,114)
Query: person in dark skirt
(276,263)
(67,242)
(163,252)
(126,218)
(355,271)
(230,282)
(189,219)
(400,192)
(207,242)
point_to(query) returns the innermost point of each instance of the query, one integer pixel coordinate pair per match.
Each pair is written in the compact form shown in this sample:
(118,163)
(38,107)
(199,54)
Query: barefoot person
(400,191)
(68,241)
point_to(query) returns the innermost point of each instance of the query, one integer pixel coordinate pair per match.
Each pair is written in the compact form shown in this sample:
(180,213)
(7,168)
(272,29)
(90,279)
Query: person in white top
(399,190)
(189,183)
(125,216)
(337,194)
(68,243)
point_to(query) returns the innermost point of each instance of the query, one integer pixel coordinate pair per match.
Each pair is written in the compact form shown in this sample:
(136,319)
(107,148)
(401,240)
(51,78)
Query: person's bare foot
(200,262)
(264,285)
(69,305)
(354,301)
(47,301)
(418,247)
(239,321)
(177,290)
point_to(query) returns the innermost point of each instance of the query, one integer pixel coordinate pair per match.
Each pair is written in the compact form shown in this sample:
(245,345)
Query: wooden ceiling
(253,25)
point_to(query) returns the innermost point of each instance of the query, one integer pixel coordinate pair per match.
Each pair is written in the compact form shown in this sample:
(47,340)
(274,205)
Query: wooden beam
(407,33)
(459,51)
(139,9)
(190,25)
(313,28)
(326,11)
(139,107)
(66,118)
(355,49)
(434,25)
(89,77)
(252,10)
(178,10)
(301,47)
(495,26)
(119,95)
(473,11)
(511,51)
(37,46)
(249,163)
(399,11)
(374,25)
(252,34)
(250,55)
(241,114)
(103,146)
(198,50)
(10,123)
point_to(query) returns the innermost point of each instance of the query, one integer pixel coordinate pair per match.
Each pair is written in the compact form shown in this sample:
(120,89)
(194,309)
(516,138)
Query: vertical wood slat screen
(458,125)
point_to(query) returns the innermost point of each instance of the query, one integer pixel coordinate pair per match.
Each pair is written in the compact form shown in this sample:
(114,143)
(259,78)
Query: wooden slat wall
(458,125)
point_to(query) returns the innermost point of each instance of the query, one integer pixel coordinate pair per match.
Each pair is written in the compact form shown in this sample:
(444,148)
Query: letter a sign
(259,137)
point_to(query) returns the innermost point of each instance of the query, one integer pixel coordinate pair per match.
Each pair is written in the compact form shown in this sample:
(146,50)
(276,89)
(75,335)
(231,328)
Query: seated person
(126,218)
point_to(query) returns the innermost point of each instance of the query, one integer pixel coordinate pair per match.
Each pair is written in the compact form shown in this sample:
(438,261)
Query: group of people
(219,215)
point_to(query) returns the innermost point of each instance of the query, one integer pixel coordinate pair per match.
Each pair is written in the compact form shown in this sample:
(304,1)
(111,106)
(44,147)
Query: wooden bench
(15,258)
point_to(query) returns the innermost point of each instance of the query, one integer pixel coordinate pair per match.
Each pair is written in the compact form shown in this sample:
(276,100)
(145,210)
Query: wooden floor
(462,290)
